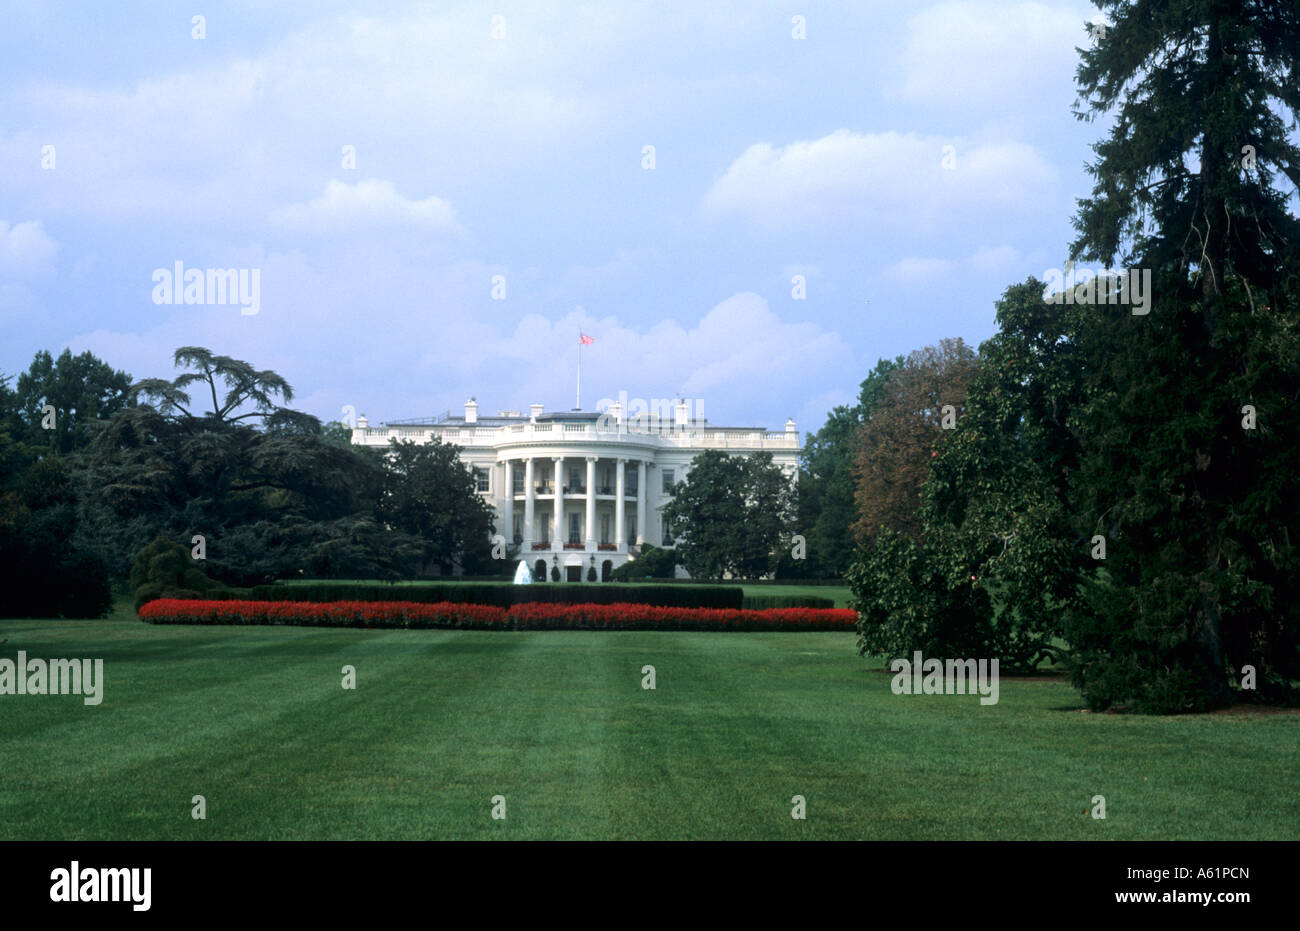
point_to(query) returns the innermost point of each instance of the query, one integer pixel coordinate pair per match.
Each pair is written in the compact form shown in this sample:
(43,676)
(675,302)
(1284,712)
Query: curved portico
(580,490)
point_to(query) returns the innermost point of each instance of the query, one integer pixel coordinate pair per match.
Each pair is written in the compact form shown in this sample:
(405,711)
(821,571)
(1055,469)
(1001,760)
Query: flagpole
(577,396)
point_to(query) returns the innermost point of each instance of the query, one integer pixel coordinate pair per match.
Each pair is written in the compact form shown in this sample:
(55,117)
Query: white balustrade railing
(608,433)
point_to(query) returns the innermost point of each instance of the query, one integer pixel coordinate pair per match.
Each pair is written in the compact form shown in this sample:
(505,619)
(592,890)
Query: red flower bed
(528,616)
(323,614)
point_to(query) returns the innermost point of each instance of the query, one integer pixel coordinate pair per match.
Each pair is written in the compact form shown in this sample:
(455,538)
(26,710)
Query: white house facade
(578,489)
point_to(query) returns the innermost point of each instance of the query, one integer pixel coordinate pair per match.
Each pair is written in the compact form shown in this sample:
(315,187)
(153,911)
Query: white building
(581,489)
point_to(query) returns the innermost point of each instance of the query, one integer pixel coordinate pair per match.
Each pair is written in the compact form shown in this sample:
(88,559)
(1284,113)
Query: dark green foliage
(1201,514)
(825,493)
(500,594)
(734,515)
(906,602)
(165,569)
(41,573)
(428,493)
(81,389)
(274,500)
(654,563)
(763,602)
(1091,421)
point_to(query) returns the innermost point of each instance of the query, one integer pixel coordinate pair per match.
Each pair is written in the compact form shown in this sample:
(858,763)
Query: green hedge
(502,595)
(764,602)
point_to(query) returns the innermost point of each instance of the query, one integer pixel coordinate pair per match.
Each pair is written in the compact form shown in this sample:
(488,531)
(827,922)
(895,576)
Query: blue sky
(522,156)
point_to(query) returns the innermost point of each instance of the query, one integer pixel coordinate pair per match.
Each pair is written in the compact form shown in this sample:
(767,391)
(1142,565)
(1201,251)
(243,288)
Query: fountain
(523,575)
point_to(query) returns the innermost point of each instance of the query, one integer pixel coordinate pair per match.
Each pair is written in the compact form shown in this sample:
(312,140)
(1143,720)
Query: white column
(618,507)
(559,538)
(509,532)
(590,538)
(528,503)
(640,502)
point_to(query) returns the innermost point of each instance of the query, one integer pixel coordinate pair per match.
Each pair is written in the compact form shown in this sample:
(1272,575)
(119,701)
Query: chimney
(471,411)
(791,434)
(362,422)
(682,414)
(533,411)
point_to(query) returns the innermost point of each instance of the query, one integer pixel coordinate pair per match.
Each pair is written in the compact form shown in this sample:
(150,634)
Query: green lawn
(255,720)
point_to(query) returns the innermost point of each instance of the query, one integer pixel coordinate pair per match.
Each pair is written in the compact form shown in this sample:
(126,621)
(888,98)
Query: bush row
(487,593)
(764,602)
(523,616)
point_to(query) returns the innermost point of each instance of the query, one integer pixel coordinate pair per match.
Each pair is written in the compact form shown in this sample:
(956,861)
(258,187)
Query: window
(604,528)
(517,480)
(631,529)
(668,533)
(481,479)
(575,483)
(575,529)
(669,475)
(518,529)
(630,483)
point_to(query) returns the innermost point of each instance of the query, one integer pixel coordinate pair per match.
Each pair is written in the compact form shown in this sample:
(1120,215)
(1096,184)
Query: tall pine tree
(1191,424)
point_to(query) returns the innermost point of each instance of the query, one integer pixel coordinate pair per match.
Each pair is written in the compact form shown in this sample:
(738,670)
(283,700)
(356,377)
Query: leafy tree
(243,386)
(41,573)
(906,602)
(427,492)
(273,498)
(733,514)
(998,549)
(1200,512)
(82,389)
(337,432)
(894,447)
(825,493)
(654,563)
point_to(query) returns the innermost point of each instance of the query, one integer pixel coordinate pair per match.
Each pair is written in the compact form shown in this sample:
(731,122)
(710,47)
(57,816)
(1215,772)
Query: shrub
(653,563)
(488,593)
(164,569)
(763,602)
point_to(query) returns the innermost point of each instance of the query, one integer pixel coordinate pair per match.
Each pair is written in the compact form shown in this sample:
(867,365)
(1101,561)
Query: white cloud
(900,178)
(367,203)
(915,269)
(995,258)
(422,95)
(26,250)
(739,358)
(985,51)
(919,269)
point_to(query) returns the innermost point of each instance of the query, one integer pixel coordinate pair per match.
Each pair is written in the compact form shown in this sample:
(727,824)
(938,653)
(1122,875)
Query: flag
(584,339)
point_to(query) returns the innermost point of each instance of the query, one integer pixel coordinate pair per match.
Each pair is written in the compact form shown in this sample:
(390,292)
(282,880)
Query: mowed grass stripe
(255,720)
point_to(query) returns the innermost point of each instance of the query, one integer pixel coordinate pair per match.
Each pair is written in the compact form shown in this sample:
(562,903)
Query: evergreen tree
(1192,412)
